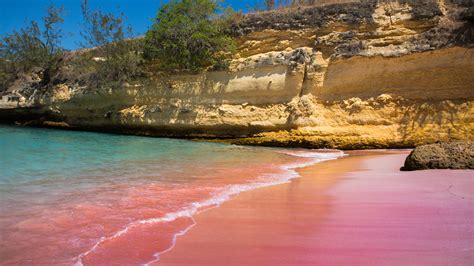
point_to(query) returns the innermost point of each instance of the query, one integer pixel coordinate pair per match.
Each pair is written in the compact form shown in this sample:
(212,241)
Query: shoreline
(311,207)
(314,142)
(332,214)
(287,172)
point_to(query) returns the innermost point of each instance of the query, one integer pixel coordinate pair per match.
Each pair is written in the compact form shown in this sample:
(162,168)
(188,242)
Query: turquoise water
(72,197)
(30,154)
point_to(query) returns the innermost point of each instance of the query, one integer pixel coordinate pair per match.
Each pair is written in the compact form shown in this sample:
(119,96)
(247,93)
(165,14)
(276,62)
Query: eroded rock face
(452,155)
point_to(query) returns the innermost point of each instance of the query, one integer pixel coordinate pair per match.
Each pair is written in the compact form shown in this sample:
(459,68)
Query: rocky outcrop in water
(452,155)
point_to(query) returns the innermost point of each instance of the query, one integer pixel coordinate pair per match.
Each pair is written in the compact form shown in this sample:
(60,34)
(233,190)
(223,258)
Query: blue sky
(15,14)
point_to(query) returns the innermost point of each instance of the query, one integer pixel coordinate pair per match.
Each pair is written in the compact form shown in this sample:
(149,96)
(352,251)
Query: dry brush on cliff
(33,46)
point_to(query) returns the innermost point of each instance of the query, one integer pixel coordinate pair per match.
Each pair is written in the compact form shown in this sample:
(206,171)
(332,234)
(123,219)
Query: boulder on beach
(449,155)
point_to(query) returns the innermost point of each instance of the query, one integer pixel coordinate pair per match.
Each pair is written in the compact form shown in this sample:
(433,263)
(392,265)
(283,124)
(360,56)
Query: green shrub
(188,35)
(31,47)
(118,57)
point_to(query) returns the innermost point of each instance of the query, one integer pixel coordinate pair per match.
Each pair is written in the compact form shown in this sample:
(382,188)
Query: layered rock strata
(366,74)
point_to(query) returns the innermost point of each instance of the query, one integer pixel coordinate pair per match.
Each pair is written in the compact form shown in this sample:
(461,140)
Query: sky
(15,14)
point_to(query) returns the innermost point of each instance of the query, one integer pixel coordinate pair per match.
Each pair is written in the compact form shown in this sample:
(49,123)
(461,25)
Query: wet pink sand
(88,226)
(358,210)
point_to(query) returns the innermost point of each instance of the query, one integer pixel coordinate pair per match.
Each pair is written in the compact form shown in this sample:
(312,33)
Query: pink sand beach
(357,210)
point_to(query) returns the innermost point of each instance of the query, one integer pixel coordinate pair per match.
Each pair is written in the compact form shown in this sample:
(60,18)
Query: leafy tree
(188,35)
(52,33)
(117,57)
(101,29)
(31,47)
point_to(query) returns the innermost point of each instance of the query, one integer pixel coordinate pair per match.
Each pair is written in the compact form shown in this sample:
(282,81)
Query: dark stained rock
(351,13)
(450,155)
(306,17)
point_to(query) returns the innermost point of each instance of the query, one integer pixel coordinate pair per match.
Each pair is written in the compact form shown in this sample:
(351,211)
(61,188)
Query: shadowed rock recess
(454,155)
(355,75)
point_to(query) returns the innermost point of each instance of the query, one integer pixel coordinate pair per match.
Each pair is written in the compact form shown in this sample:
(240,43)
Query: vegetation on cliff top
(115,57)
(33,46)
(192,32)
(186,35)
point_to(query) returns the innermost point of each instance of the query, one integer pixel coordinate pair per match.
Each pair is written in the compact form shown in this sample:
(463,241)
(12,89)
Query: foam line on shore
(229,191)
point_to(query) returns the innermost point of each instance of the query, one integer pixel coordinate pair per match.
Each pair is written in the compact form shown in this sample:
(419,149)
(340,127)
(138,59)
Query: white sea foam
(288,173)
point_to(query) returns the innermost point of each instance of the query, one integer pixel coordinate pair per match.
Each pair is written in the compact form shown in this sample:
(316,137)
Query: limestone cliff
(361,74)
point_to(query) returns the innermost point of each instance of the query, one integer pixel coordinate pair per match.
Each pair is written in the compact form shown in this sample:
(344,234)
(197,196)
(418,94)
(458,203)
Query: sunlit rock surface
(349,75)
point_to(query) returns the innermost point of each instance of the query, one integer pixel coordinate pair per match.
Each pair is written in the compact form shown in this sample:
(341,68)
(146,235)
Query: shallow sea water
(70,197)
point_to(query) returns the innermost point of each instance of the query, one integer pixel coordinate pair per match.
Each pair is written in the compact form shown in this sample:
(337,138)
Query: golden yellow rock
(396,78)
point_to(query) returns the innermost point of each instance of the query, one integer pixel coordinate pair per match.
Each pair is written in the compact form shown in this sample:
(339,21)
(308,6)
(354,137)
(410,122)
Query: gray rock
(450,155)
